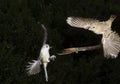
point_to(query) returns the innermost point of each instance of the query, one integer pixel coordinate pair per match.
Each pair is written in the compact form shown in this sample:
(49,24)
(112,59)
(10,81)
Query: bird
(43,59)
(110,39)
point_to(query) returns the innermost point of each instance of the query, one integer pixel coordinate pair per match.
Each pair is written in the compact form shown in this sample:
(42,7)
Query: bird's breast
(45,57)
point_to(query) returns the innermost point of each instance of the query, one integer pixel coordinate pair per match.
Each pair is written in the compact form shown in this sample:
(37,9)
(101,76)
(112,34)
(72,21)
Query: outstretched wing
(80,22)
(111,44)
(45,34)
(34,67)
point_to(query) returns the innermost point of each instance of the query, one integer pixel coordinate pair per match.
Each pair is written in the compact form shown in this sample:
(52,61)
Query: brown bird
(110,39)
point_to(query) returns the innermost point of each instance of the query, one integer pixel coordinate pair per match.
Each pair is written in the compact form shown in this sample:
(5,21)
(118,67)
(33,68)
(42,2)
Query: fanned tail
(111,44)
(34,67)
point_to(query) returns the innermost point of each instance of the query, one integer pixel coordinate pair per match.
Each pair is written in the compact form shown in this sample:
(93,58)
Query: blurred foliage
(21,39)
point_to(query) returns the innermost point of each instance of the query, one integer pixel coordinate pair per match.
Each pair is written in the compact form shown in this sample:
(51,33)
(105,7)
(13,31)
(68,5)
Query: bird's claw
(52,57)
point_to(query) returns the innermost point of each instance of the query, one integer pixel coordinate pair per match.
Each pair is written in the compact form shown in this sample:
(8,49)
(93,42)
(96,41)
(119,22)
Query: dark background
(21,38)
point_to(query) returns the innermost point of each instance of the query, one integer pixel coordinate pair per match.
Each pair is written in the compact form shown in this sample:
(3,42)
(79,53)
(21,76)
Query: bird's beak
(50,47)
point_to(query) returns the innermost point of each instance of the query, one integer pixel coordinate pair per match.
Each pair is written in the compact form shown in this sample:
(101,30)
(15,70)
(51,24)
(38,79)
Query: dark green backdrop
(21,39)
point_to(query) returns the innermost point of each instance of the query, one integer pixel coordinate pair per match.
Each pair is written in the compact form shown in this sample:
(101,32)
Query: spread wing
(45,34)
(34,67)
(80,22)
(111,44)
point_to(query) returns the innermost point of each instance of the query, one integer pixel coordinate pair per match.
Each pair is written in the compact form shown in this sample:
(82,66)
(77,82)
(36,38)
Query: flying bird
(110,39)
(43,59)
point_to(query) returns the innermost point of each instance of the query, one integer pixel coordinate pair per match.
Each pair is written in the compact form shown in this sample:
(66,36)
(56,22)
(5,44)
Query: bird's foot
(52,57)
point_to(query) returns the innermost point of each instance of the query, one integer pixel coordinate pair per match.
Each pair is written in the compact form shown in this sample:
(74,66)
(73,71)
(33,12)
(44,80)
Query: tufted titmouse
(44,58)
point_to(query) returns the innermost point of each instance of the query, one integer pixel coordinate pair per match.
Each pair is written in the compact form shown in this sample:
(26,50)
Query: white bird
(110,39)
(44,58)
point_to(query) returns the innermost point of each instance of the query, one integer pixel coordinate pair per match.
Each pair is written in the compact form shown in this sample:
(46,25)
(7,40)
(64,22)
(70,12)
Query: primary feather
(111,44)
(45,34)
(34,67)
(80,22)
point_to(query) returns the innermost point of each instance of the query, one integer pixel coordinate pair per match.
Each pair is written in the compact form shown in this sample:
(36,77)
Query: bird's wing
(111,44)
(45,34)
(80,22)
(34,67)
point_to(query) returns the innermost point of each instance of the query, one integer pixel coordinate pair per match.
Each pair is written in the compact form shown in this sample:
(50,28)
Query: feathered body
(34,67)
(110,39)
(43,59)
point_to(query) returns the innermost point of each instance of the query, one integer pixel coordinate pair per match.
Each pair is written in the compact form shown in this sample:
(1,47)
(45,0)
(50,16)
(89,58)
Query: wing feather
(34,67)
(80,22)
(111,44)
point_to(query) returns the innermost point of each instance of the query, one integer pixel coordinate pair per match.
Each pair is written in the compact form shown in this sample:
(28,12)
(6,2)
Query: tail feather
(45,69)
(111,45)
(34,67)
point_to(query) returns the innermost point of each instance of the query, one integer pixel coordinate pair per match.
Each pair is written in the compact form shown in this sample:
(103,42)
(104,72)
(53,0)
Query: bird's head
(92,27)
(98,27)
(46,46)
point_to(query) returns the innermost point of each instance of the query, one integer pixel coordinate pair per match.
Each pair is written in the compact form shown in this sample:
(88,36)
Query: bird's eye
(47,46)
(93,27)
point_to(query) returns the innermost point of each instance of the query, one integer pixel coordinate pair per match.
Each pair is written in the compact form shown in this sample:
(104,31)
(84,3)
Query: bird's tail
(111,44)
(111,19)
(45,69)
(34,67)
